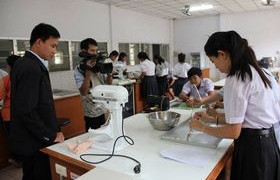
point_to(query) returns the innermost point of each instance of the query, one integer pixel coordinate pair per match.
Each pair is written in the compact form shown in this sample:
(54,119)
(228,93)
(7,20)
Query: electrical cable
(136,169)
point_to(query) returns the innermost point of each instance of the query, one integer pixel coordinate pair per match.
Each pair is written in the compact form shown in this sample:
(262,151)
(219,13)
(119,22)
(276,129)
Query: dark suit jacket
(33,119)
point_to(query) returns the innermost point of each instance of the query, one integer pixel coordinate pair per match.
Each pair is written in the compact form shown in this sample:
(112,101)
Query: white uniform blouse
(148,67)
(162,69)
(250,103)
(181,70)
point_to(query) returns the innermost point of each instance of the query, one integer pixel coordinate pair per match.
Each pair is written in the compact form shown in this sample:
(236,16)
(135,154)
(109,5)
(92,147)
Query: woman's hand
(203,117)
(212,112)
(197,124)
(218,104)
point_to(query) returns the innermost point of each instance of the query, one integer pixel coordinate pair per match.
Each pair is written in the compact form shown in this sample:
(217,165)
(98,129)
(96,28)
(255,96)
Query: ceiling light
(201,7)
(269,2)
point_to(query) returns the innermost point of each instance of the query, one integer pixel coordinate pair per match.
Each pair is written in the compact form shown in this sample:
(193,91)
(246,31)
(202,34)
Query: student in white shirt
(149,84)
(251,108)
(197,86)
(180,72)
(161,74)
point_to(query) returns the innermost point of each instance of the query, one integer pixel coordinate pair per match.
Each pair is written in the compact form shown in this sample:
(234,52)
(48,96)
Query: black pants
(256,156)
(36,166)
(95,122)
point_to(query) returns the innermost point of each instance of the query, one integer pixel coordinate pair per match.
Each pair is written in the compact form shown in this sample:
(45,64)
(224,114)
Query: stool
(62,122)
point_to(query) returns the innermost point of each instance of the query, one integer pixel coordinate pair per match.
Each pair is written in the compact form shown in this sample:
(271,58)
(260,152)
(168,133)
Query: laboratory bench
(148,145)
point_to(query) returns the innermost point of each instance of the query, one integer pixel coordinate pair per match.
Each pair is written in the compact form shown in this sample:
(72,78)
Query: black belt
(181,78)
(257,132)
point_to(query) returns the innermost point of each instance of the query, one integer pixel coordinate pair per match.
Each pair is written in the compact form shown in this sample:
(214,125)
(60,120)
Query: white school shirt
(148,67)
(181,70)
(162,69)
(206,86)
(250,103)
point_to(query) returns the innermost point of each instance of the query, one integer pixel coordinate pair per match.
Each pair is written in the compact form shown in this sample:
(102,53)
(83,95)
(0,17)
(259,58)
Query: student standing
(149,83)
(161,74)
(251,108)
(33,118)
(180,73)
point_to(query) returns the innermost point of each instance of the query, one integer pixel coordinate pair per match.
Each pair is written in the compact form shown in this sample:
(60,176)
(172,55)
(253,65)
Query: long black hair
(121,56)
(143,56)
(159,59)
(241,54)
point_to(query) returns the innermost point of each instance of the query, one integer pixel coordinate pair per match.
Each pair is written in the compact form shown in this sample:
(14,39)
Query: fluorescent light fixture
(201,7)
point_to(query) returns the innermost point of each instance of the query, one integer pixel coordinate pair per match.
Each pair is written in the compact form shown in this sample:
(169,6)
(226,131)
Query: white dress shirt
(250,103)
(148,67)
(181,70)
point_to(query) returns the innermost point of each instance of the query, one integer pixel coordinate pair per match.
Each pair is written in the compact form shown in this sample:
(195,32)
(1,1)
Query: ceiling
(170,9)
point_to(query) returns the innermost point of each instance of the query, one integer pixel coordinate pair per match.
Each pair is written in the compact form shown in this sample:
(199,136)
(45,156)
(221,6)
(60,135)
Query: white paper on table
(189,155)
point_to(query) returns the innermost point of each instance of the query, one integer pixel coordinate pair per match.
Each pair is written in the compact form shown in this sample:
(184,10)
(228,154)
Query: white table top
(146,150)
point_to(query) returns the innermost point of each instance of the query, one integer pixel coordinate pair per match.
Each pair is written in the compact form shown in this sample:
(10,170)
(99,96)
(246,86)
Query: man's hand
(193,101)
(90,64)
(59,137)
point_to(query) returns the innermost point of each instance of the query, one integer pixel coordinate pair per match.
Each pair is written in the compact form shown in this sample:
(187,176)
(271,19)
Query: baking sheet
(179,134)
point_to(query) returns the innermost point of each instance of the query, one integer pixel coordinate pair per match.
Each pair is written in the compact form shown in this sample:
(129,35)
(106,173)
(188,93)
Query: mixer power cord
(136,169)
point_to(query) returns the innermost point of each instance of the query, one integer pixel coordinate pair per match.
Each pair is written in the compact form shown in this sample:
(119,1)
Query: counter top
(61,93)
(123,82)
(146,150)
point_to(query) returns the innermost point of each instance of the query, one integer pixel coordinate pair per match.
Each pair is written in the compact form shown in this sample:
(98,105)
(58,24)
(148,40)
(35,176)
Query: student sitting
(197,86)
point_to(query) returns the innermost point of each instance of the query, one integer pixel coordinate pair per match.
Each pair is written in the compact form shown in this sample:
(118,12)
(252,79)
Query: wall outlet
(61,170)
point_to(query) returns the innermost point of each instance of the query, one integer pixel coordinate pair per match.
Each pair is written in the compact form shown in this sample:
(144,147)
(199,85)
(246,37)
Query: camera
(100,66)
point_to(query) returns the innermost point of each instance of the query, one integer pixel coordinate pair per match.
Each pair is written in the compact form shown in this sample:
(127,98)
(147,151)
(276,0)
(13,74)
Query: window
(6,49)
(61,60)
(75,48)
(132,50)
(22,45)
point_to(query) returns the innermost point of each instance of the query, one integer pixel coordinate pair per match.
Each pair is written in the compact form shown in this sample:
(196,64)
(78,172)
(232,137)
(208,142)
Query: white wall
(79,19)
(75,19)
(261,29)
(191,36)
(130,26)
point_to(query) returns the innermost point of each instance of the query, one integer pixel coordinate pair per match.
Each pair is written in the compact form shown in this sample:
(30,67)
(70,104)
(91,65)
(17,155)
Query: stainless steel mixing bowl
(164,120)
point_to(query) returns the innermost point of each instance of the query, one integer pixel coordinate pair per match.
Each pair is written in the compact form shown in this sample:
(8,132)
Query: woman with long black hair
(251,108)
(149,84)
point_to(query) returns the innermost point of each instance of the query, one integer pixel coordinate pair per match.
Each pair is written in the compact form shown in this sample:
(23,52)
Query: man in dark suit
(33,119)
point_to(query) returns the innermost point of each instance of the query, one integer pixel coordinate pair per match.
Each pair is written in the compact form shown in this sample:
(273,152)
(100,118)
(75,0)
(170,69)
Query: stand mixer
(114,99)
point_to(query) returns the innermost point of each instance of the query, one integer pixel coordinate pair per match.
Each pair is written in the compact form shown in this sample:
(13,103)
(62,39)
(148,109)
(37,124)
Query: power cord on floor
(136,169)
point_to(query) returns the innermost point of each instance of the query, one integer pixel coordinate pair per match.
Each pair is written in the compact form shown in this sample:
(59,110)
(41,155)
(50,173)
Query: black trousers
(94,122)
(36,166)
(256,156)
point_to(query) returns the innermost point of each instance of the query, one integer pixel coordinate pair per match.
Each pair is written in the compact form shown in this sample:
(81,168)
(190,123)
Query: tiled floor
(11,173)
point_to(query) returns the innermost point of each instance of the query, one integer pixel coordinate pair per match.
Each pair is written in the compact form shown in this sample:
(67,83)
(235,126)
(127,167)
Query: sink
(180,135)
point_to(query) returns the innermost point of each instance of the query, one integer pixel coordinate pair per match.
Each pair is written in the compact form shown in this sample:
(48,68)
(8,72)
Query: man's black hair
(43,31)
(86,42)
(114,53)
(12,59)
(194,71)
